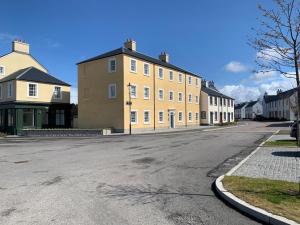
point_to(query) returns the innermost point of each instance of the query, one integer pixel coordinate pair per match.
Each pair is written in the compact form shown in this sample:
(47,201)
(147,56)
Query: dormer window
(2,70)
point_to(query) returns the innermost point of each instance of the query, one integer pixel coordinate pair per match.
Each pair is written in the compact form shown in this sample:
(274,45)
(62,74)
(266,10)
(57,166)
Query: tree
(277,40)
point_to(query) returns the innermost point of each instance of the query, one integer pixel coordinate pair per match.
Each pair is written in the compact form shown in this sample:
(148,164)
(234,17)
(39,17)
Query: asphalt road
(119,180)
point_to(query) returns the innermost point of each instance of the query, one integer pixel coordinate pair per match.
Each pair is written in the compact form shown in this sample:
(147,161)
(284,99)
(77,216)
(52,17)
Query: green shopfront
(17,116)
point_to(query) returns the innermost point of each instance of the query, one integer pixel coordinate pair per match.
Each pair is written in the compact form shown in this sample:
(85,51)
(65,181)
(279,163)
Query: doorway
(172,119)
(211,118)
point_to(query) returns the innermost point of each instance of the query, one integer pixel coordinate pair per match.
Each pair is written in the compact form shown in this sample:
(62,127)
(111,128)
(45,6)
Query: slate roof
(214,92)
(250,104)
(285,94)
(35,75)
(138,55)
(241,105)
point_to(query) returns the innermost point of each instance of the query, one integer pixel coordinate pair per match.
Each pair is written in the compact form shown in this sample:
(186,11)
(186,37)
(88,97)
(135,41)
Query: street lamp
(129,103)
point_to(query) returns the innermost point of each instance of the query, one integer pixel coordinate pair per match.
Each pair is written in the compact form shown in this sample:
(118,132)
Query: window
(57,92)
(9,89)
(60,117)
(224,115)
(232,116)
(231,103)
(171,76)
(190,80)
(190,116)
(146,69)
(171,95)
(2,70)
(190,98)
(32,90)
(1,117)
(221,101)
(160,73)
(146,93)
(224,102)
(197,116)
(180,96)
(197,99)
(112,65)
(216,116)
(133,91)
(210,100)
(133,117)
(161,94)
(133,65)
(216,101)
(146,117)
(180,116)
(10,117)
(112,91)
(197,82)
(180,78)
(0,91)
(228,102)
(161,116)
(203,115)
(28,117)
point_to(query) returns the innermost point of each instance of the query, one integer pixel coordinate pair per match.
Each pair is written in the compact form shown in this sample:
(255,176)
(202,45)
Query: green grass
(285,143)
(281,132)
(278,197)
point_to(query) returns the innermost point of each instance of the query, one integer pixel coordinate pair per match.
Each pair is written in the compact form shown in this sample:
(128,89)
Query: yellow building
(29,96)
(124,87)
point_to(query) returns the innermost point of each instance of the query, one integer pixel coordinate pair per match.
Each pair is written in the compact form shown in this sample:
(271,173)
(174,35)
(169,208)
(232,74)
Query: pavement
(138,180)
(276,163)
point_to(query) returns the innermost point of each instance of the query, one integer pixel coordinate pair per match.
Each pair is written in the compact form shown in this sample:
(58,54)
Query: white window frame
(3,73)
(1,91)
(163,96)
(147,98)
(147,74)
(171,72)
(171,100)
(163,116)
(190,100)
(160,77)
(180,80)
(190,113)
(197,116)
(148,116)
(109,63)
(197,82)
(9,84)
(133,71)
(190,80)
(181,96)
(180,120)
(132,96)
(109,92)
(136,116)
(37,90)
(60,98)
(197,99)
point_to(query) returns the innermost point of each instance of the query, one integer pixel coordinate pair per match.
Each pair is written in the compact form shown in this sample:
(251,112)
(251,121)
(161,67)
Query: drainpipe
(154,99)
(185,102)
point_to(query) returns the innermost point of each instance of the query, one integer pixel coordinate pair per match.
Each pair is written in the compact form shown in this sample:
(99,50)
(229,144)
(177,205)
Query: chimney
(164,57)
(211,84)
(204,83)
(20,46)
(130,44)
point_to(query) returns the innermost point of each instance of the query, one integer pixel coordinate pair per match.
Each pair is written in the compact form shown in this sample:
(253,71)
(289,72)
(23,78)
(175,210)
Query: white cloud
(52,44)
(243,93)
(262,76)
(236,67)
(74,95)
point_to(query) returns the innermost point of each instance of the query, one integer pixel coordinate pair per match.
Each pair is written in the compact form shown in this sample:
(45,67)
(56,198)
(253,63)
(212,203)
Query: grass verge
(277,197)
(284,143)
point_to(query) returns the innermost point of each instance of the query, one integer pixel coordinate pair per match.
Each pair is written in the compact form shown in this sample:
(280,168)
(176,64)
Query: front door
(211,118)
(172,120)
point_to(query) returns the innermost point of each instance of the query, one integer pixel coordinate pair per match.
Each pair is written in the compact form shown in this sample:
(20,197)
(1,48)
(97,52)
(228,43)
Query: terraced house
(124,87)
(29,96)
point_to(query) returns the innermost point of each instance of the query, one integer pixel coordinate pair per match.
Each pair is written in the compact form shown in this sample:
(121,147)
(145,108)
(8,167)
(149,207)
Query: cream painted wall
(15,61)
(95,109)
(44,93)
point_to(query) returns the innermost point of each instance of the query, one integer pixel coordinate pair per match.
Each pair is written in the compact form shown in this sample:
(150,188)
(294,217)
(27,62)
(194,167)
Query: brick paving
(276,163)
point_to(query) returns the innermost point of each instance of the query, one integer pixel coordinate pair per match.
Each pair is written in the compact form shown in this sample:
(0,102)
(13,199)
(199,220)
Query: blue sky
(205,37)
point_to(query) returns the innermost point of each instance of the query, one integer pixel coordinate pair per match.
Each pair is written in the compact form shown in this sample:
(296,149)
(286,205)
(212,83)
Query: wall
(4,87)
(15,61)
(95,109)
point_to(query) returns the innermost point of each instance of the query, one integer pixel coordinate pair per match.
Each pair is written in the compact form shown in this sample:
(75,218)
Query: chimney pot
(164,57)
(130,44)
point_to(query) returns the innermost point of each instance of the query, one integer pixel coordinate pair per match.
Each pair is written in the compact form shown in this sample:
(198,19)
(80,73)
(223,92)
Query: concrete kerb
(245,207)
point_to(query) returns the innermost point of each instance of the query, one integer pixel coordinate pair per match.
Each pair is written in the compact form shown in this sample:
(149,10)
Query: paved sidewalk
(276,163)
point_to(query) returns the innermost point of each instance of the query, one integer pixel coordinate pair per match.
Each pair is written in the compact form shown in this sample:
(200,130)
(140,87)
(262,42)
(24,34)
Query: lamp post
(129,103)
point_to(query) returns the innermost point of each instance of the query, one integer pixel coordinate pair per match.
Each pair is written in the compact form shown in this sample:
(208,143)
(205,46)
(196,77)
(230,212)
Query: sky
(205,37)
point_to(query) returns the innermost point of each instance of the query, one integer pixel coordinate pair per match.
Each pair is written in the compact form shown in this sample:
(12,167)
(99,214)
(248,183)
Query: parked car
(293,132)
